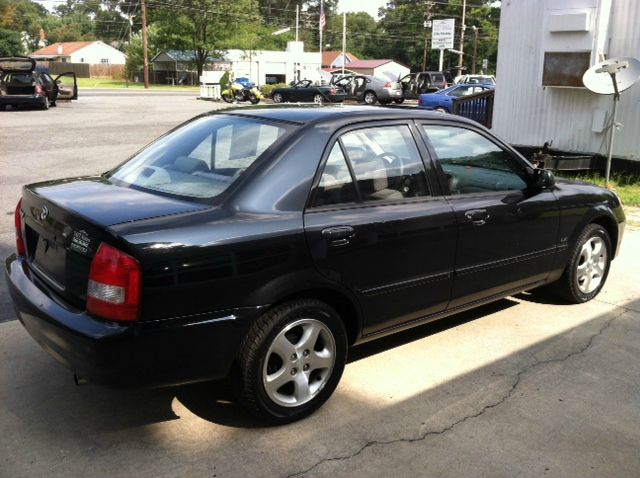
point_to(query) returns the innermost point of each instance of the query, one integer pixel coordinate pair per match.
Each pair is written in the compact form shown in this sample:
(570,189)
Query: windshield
(201,159)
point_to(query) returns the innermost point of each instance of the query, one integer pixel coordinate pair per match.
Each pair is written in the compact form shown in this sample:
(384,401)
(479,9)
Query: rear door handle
(338,235)
(478,217)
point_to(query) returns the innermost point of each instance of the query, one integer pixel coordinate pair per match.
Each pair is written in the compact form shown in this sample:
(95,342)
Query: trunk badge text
(80,242)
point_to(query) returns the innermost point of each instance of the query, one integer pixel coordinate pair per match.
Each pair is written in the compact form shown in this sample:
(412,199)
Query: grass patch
(626,186)
(88,83)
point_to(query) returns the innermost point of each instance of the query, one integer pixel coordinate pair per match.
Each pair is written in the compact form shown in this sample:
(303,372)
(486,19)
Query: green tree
(361,34)
(10,43)
(206,26)
(23,16)
(135,55)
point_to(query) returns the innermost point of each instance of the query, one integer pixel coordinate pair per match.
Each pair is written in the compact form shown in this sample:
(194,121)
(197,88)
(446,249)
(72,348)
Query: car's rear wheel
(45,104)
(588,266)
(318,98)
(440,109)
(399,100)
(278,98)
(370,98)
(291,360)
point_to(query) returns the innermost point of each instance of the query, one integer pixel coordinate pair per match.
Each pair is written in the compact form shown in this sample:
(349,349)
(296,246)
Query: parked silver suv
(368,89)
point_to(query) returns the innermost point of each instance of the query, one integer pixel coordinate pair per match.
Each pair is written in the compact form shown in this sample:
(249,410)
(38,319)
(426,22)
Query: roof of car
(313,113)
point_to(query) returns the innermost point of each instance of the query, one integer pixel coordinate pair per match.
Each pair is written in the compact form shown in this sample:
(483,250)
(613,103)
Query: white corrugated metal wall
(527,114)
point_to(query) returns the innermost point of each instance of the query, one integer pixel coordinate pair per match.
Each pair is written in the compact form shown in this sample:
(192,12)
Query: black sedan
(263,242)
(304,91)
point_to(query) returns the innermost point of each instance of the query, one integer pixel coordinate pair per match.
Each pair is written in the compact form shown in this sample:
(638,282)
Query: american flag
(323,19)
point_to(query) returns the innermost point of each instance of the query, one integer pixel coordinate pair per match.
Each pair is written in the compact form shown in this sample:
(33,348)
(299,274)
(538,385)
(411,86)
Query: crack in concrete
(482,411)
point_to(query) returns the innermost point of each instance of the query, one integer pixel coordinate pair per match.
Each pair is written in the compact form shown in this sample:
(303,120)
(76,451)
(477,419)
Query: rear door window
(201,159)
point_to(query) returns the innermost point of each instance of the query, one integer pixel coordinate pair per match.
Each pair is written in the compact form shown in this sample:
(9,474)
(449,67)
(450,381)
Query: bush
(268,89)
(224,81)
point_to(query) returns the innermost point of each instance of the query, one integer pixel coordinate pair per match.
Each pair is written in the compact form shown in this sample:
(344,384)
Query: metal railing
(478,107)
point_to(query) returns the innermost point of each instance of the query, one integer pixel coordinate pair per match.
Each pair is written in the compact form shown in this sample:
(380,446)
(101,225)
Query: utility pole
(460,59)
(427,24)
(297,20)
(475,48)
(145,53)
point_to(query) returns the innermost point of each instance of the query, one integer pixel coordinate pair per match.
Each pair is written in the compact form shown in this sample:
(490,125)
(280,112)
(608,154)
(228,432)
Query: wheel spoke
(276,380)
(320,360)
(586,251)
(301,387)
(282,347)
(309,336)
(596,247)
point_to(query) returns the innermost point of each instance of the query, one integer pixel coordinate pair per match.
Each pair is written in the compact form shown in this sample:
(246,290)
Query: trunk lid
(66,221)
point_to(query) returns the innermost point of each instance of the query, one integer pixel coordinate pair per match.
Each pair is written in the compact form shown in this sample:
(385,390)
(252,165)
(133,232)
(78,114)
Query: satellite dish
(610,77)
(598,78)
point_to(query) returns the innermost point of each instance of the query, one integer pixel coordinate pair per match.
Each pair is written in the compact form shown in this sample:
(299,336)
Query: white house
(269,67)
(545,47)
(91,52)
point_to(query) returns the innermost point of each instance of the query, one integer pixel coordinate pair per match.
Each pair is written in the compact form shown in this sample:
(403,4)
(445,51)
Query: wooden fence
(85,70)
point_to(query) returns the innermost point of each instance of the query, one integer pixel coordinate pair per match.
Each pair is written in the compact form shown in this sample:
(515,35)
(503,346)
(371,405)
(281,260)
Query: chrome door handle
(338,235)
(478,217)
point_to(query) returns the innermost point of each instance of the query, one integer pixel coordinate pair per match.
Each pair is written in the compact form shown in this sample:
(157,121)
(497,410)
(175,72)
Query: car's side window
(336,185)
(386,163)
(472,163)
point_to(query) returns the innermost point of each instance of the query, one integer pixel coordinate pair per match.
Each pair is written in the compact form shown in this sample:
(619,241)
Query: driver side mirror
(542,179)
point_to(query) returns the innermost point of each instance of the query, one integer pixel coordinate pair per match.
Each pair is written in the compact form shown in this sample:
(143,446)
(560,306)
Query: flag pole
(344,39)
(320,25)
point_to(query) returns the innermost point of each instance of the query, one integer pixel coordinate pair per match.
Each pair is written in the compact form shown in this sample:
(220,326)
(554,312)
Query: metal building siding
(527,114)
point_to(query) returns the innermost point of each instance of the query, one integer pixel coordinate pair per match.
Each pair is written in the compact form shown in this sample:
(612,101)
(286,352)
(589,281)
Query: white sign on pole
(442,34)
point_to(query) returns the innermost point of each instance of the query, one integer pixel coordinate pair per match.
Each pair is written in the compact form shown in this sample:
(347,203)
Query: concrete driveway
(523,387)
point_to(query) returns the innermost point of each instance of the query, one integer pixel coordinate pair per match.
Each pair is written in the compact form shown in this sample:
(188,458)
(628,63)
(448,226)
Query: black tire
(441,110)
(228,98)
(278,98)
(570,286)
(253,99)
(318,99)
(45,104)
(53,104)
(257,356)
(399,100)
(369,98)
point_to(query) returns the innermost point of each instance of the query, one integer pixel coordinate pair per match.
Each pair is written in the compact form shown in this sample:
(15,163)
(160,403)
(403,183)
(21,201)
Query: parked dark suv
(262,242)
(22,84)
(415,84)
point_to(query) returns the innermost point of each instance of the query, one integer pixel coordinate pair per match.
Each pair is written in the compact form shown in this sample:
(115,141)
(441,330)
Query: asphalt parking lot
(527,386)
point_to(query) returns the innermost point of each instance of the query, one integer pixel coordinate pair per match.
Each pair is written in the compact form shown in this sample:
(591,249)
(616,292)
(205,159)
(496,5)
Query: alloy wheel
(591,265)
(299,362)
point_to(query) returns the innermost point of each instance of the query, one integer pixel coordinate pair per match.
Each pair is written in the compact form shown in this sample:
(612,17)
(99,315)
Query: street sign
(485,65)
(442,34)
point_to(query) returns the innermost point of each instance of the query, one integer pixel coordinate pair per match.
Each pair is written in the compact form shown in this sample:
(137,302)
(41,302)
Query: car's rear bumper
(19,100)
(148,353)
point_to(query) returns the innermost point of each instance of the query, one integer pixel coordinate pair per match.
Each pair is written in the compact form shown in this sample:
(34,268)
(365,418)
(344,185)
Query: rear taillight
(388,85)
(39,90)
(115,282)
(18,222)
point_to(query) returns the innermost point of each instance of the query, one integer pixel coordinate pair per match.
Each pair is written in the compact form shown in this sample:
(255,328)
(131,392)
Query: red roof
(67,48)
(368,63)
(330,56)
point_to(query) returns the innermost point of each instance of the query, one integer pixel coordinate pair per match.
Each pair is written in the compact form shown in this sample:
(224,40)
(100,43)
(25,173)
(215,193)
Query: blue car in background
(443,100)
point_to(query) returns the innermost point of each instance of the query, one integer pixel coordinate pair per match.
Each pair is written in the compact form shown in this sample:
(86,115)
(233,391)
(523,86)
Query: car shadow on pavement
(389,342)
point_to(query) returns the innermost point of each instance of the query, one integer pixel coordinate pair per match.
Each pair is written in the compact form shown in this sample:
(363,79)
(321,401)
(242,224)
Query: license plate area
(49,258)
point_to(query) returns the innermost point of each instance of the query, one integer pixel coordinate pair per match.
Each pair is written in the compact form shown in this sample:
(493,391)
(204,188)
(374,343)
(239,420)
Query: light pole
(475,48)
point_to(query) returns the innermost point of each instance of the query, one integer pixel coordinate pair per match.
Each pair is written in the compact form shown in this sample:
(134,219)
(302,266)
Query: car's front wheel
(588,266)
(291,360)
(278,98)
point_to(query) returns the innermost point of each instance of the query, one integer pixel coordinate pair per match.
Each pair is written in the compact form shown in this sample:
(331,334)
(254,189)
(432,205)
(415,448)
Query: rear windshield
(437,78)
(201,159)
(19,79)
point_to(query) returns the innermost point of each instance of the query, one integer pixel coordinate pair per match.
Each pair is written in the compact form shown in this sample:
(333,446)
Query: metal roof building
(545,47)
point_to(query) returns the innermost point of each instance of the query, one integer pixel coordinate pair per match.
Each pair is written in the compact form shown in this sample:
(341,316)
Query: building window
(104,60)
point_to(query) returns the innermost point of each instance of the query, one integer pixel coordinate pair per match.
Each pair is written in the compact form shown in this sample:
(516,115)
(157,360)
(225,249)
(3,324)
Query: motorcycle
(237,92)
